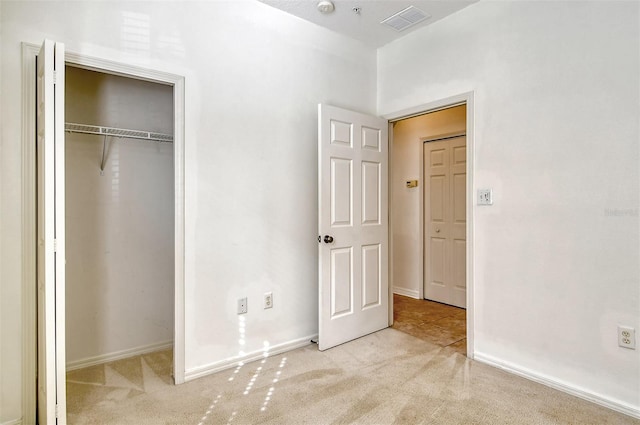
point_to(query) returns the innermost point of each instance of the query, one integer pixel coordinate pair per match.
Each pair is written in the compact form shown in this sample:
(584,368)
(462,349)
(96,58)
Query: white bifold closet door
(50,150)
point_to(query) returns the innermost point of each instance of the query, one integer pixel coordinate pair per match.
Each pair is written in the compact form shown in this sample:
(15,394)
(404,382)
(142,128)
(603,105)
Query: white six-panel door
(51,234)
(353,225)
(445,223)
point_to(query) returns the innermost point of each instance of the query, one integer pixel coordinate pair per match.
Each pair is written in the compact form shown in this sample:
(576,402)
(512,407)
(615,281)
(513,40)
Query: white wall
(5,350)
(556,257)
(253,78)
(120,278)
(407,214)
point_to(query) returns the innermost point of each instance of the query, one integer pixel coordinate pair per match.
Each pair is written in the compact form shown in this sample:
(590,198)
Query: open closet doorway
(120,234)
(42,71)
(429,226)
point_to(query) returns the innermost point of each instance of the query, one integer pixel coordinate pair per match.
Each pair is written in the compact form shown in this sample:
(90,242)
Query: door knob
(328,239)
(437,230)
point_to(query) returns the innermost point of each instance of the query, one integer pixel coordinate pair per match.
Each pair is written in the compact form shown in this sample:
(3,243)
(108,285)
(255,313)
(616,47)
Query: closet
(119,217)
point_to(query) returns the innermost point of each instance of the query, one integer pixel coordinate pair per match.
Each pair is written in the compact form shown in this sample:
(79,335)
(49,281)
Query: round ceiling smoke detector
(325,6)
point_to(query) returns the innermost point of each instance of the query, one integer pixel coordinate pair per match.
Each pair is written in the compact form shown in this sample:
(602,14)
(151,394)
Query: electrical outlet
(485,197)
(268,300)
(242,305)
(627,337)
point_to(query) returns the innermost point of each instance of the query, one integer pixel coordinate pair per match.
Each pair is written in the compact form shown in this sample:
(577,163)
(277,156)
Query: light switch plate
(485,197)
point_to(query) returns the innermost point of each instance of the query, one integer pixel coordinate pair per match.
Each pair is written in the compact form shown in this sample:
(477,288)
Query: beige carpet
(385,378)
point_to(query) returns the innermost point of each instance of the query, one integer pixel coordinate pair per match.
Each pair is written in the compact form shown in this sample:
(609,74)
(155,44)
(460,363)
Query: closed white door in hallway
(445,179)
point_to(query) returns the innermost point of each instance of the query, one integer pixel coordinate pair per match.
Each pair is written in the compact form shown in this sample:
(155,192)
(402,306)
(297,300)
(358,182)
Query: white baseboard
(118,355)
(406,292)
(231,362)
(565,387)
(13,422)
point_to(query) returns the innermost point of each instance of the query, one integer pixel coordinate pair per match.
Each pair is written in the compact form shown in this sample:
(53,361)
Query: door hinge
(55,77)
(55,245)
(57,411)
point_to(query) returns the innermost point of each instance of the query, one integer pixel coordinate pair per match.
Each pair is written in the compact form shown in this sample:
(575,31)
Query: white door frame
(29,304)
(466,99)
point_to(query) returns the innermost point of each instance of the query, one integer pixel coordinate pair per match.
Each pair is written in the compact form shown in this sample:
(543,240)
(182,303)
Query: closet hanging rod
(117,132)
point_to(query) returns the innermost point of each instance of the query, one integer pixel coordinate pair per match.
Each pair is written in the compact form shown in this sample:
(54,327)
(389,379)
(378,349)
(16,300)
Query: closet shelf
(117,132)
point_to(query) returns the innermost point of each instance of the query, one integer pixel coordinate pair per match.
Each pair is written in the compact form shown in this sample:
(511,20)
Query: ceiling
(365,25)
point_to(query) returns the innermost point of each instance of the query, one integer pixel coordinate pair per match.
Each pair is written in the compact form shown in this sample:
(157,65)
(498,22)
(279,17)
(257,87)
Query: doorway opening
(119,235)
(29,169)
(430,222)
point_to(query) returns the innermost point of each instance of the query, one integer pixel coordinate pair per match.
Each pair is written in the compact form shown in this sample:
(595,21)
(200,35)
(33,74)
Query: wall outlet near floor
(268,300)
(627,337)
(242,305)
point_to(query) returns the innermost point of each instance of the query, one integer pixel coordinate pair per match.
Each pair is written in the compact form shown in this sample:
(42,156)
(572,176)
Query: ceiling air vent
(405,18)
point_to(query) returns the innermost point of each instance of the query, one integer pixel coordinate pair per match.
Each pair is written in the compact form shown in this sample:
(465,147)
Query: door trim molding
(29,304)
(446,136)
(437,105)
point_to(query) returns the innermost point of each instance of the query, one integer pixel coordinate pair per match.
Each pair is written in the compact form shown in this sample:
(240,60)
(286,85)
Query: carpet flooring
(388,377)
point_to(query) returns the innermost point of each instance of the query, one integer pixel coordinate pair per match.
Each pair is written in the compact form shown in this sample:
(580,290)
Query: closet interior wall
(120,221)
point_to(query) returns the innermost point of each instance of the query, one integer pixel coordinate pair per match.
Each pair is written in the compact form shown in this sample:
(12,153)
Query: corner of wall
(411,293)
(557,384)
